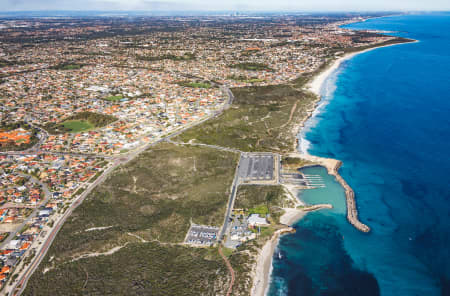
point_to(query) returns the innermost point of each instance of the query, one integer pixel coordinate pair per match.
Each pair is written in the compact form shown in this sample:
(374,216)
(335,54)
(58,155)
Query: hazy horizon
(233,5)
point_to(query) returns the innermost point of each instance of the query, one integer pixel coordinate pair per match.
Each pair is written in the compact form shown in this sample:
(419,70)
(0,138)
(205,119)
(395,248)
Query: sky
(235,5)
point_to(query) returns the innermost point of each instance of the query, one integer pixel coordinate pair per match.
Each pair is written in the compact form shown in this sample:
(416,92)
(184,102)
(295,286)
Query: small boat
(279,256)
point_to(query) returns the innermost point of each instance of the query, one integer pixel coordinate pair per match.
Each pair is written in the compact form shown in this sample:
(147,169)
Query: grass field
(195,84)
(80,122)
(76,126)
(114,98)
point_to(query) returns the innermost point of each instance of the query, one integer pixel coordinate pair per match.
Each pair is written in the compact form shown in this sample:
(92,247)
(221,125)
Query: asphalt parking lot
(256,167)
(202,235)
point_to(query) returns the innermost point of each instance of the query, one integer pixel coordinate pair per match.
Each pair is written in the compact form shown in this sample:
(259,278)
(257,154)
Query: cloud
(225,4)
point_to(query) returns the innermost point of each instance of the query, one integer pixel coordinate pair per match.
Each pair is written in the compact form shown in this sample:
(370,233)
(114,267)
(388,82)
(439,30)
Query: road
(28,152)
(231,200)
(32,215)
(43,136)
(19,285)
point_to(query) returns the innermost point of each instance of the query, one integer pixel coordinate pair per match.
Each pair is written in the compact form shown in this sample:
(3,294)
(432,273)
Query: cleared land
(149,202)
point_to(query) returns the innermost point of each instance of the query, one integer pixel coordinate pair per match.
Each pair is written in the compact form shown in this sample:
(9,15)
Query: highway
(19,284)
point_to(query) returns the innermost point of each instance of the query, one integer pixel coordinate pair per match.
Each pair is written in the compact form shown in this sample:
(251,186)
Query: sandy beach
(315,85)
(263,267)
(264,263)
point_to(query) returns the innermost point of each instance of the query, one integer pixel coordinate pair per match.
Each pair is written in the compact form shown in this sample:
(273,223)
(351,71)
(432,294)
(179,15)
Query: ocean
(386,114)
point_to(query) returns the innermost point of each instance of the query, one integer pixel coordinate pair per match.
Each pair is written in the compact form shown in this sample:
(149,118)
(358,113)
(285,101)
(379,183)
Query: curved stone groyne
(352,212)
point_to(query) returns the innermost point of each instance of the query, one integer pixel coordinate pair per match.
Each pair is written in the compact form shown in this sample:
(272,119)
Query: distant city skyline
(238,5)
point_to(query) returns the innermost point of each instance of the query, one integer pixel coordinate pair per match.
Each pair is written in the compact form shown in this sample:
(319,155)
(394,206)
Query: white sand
(316,84)
(263,267)
(291,216)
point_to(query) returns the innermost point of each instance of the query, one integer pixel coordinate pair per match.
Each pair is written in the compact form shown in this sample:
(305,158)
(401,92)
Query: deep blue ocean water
(386,115)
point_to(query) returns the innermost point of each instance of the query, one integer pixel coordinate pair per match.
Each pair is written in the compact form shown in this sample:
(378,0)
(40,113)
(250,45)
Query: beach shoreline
(263,270)
(317,82)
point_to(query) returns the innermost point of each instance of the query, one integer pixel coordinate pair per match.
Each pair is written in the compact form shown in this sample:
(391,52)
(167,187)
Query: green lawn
(80,122)
(76,126)
(261,210)
(114,98)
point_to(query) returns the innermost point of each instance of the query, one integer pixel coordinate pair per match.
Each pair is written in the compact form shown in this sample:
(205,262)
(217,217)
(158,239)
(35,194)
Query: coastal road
(231,200)
(20,284)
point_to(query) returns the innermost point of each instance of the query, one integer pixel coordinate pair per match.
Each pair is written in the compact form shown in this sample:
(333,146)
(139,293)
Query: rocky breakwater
(352,212)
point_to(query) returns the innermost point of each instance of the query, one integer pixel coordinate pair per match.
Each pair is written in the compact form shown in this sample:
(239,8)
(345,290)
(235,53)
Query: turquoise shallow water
(386,115)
